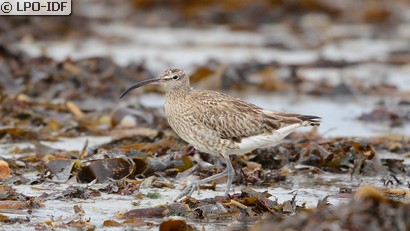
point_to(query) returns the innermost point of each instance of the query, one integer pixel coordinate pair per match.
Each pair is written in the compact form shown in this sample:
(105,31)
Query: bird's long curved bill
(139,84)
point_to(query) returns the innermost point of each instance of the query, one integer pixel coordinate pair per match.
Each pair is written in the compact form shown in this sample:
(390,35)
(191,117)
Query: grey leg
(231,173)
(195,185)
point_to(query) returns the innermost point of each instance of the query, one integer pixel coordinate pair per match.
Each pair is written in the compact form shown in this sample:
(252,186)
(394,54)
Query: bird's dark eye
(175,77)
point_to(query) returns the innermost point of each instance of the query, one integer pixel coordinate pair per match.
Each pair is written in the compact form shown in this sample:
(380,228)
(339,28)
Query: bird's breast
(191,129)
(179,119)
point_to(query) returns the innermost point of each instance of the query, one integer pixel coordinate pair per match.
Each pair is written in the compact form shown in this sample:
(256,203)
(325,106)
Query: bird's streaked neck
(180,90)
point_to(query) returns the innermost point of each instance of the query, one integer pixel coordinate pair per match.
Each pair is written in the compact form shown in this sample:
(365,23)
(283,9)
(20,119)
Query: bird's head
(171,79)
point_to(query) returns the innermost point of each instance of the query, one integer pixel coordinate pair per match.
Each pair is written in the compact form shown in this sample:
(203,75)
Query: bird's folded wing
(234,118)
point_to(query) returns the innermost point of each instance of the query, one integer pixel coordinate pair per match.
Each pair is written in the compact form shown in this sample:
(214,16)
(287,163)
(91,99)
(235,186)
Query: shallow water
(309,189)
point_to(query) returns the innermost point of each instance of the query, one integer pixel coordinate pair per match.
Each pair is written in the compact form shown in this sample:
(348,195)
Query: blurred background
(62,124)
(346,61)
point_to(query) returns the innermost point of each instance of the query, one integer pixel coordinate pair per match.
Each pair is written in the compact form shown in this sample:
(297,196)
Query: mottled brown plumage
(217,123)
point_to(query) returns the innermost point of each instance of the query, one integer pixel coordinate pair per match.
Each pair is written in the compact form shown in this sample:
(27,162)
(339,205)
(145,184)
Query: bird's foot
(227,192)
(188,191)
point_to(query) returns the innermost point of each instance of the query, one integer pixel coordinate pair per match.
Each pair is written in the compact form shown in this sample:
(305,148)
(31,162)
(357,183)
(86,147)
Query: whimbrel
(220,124)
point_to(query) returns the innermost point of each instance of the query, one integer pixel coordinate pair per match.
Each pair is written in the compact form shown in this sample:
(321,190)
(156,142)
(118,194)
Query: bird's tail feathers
(309,120)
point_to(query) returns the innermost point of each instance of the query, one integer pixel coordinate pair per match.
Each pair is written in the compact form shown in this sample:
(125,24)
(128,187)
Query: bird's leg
(195,185)
(230,172)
